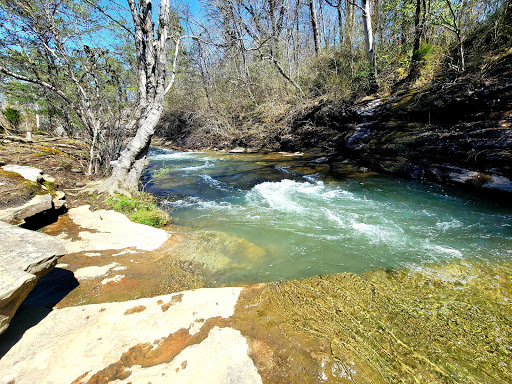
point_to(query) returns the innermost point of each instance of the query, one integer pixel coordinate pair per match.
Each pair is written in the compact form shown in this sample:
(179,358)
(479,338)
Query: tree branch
(35,81)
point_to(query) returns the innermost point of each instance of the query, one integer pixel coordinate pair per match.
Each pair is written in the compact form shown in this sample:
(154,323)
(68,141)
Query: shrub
(13,116)
(154,218)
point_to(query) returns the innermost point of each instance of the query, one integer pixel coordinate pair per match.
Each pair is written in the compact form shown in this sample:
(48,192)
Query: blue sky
(193,4)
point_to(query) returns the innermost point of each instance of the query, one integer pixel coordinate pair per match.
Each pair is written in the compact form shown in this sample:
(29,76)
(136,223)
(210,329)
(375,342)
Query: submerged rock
(443,324)
(25,256)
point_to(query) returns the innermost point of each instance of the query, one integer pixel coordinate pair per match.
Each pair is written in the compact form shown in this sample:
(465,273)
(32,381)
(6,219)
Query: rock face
(452,133)
(172,338)
(25,256)
(41,209)
(38,204)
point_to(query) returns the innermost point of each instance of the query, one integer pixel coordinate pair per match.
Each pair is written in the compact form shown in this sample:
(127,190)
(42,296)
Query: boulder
(16,215)
(25,256)
(178,338)
(49,178)
(29,173)
(237,150)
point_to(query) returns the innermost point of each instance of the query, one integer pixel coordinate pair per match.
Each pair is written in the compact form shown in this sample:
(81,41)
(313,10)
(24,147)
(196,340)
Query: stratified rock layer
(25,256)
(452,133)
(38,204)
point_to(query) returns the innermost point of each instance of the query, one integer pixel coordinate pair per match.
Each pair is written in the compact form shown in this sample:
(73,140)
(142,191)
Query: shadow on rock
(50,290)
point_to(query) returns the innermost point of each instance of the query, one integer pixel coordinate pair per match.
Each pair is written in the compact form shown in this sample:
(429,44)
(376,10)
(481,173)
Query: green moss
(140,208)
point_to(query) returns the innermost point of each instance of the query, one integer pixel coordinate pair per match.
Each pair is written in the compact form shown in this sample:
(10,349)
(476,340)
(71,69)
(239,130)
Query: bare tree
(152,52)
(370,43)
(47,43)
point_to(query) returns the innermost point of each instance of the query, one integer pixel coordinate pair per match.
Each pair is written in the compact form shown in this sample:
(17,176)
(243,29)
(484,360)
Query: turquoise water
(273,217)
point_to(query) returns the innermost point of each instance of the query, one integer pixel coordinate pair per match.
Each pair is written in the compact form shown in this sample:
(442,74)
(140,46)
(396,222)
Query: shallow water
(271,217)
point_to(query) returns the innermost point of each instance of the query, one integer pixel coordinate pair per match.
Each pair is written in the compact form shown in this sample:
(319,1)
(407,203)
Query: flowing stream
(257,218)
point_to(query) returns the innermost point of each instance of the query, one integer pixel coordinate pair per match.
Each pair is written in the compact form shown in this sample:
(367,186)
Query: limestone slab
(105,229)
(220,358)
(29,173)
(94,271)
(78,344)
(25,256)
(37,204)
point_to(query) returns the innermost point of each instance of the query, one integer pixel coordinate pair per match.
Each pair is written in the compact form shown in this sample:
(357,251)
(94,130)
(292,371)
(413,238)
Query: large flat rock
(29,173)
(25,256)
(178,338)
(37,204)
(105,229)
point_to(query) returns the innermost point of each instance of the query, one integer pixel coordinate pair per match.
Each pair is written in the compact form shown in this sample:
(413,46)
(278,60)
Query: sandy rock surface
(103,230)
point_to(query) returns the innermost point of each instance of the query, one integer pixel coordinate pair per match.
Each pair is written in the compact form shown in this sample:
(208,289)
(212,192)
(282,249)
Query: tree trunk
(414,69)
(314,25)
(152,60)
(128,169)
(370,48)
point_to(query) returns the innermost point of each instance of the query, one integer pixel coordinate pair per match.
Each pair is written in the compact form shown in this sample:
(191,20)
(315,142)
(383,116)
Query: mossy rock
(16,190)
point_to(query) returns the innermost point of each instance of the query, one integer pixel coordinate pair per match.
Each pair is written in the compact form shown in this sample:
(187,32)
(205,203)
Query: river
(259,218)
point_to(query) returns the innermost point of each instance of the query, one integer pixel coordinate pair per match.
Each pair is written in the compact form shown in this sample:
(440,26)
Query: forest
(227,73)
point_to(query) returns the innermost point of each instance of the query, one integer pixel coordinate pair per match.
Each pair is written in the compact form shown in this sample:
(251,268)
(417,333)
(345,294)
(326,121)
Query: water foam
(217,184)
(173,156)
(447,225)
(206,165)
(285,195)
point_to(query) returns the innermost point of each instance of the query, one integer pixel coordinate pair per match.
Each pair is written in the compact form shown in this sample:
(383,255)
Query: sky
(193,5)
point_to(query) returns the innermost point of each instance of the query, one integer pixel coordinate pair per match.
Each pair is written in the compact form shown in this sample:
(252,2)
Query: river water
(257,218)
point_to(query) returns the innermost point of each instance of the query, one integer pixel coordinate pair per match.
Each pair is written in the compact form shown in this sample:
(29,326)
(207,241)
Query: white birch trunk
(369,40)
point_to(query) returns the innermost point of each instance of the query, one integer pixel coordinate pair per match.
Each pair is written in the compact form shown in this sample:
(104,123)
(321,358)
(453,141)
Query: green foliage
(154,218)
(423,53)
(13,116)
(140,208)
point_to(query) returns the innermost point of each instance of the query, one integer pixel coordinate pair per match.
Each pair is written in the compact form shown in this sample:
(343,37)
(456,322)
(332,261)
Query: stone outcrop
(36,205)
(25,256)
(29,173)
(172,338)
(451,133)
(41,208)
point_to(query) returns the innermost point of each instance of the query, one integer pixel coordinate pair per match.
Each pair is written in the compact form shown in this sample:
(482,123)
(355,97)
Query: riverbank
(455,131)
(383,325)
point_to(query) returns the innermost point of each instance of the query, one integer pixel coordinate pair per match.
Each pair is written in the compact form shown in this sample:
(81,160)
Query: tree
(370,43)
(314,25)
(152,60)
(420,20)
(54,45)
(13,116)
